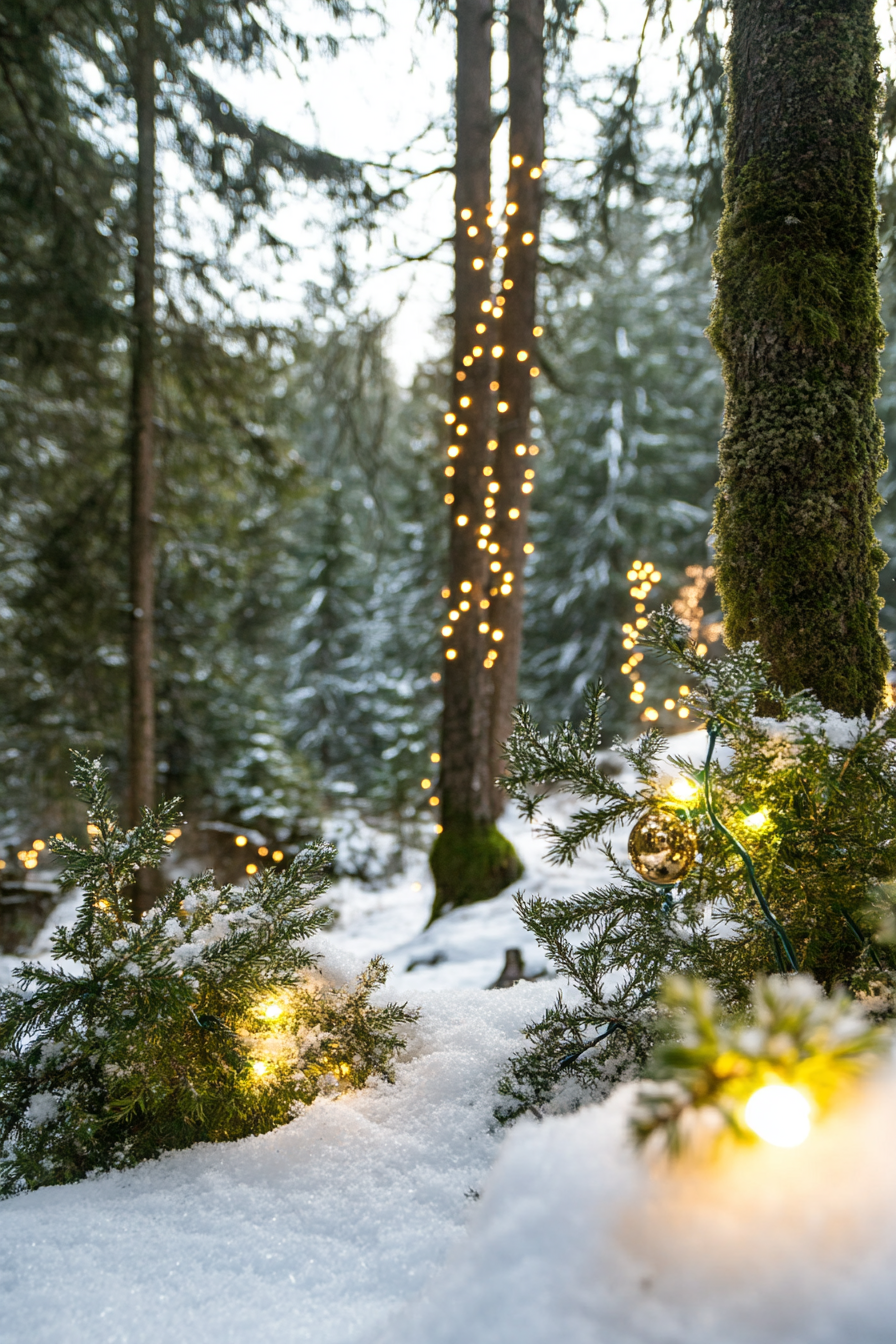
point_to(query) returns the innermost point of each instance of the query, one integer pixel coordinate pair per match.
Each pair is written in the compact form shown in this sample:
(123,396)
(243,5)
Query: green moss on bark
(797,325)
(471,861)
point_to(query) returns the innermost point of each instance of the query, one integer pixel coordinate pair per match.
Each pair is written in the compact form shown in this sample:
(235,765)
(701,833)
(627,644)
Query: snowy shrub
(207,1020)
(790,833)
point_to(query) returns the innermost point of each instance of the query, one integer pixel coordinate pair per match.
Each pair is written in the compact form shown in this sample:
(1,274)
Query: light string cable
(777,930)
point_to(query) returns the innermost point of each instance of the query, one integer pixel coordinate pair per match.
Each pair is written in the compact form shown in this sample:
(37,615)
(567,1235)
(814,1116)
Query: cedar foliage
(206,1021)
(826,789)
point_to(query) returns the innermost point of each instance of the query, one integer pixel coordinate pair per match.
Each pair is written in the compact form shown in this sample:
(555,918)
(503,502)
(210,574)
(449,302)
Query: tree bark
(515,457)
(141,777)
(797,325)
(470,859)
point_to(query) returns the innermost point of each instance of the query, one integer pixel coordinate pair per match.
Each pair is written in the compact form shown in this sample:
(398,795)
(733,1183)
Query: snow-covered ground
(361,1222)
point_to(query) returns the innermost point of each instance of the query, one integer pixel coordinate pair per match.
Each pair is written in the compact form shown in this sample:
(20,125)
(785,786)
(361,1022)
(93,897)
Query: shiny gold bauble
(662,848)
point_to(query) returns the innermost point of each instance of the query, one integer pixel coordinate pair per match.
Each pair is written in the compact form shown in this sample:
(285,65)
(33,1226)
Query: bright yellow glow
(502,251)
(477,350)
(636,696)
(461,430)
(684,690)
(30,863)
(493,653)
(277,855)
(522,355)
(528,238)
(684,790)
(93,830)
(508,576)
(434,757)
(38,845)
(628,643)
(485,529)
(453,615)
(438,829)
(533,449)
(642,623)
(450,418)
(497,351)
(492,443)
(58,835)
(466,214)
(515,162)
(426,783)
(447,630)
(527,487)
(683,713)
(756,820)
(464,606)
(529,474)
(450,653)
(466,586)
(169,839)
(478,264)
(449,499)
(513,207)
(453,450)
(468,360)
(446,592)
(487,662)
(495,565)
(625,669)
(528,548)
(651,714)
(636,564)
(259,1067)
(640,687)
(537,331)
(668,704)
(472,231)
(449,471)
(263,851)
(488,471)
(494,488)
(533,372)
(639,606)
(486,307)
(484,603)
(480,328)
(251,869)
(272,1010)
(520,450)
(535,172)
(506,590)
(483,627)
(656,576)
(433,802)
(701,650)
(508,284)
(498,634)
(513,513)
(779,1115)
(462,520)
(241,840)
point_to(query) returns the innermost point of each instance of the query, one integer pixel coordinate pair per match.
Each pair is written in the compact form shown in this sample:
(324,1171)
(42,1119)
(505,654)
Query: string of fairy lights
(486,341)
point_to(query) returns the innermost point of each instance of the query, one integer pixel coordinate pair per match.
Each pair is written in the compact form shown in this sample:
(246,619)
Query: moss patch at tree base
(471,861)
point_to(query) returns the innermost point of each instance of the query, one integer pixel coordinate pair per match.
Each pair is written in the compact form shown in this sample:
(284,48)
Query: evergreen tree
(797,324)
(773,857)
(207,1021)
(629,409)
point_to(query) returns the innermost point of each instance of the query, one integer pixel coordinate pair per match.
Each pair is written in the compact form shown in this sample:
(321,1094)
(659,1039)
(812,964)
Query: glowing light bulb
(497,351)
(513,513)
(434,757)
(426,783)
(640,687)
(277,855)
(478,264)
(38,845)
(462,520)
(756,820)
(272,1010)
(528,548)
(528,238)
(651,714)
(251,869)
(259,1067)
(537,331)
(684,790)
(780,1115)
(466,586)
(668,704)
(512,208)
(516,161)
(472,231)
(683,713)
(466,214)
(241,840)
(263,851)
(535,173)
(451,654)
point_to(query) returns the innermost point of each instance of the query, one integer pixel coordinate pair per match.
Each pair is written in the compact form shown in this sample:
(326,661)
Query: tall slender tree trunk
(518,365)
(797,325)
(470,859)
(141,777)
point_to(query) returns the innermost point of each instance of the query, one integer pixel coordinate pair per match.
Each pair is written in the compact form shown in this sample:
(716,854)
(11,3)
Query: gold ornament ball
(662,848)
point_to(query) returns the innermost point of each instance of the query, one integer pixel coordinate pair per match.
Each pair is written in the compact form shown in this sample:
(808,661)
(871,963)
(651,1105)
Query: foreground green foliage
(706,1069)
(808,795)
(208,1020)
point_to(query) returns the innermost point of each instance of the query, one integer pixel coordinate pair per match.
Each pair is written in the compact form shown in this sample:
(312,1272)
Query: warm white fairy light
(780,1115)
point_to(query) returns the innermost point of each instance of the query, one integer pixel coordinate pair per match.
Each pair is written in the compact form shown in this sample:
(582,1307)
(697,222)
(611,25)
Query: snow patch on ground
(315,1232)
(578,1239)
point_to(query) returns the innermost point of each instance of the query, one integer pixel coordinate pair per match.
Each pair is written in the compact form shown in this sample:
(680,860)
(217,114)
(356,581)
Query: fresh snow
(361,1222)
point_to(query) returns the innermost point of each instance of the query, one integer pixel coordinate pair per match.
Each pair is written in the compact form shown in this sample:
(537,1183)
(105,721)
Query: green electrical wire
(777,930)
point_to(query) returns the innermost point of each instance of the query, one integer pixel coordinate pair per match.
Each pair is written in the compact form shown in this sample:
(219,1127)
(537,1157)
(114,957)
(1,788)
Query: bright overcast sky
(376,99)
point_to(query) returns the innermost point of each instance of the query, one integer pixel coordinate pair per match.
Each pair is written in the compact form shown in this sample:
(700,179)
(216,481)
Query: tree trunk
(141,779)
(515,457)
(470,859)
(797,325)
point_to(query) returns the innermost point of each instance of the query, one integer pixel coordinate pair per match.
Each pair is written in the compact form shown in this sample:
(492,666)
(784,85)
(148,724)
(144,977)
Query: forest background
(304,367)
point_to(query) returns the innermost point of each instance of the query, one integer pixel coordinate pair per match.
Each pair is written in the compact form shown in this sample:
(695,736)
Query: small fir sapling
(809,795)
(209,1020)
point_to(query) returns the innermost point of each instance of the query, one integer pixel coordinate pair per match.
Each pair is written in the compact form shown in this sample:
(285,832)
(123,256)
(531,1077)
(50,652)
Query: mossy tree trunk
(470,859)
(797,325)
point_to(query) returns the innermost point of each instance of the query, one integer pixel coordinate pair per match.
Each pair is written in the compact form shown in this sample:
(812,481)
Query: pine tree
(797,324)
(207,1021)
(778,857)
